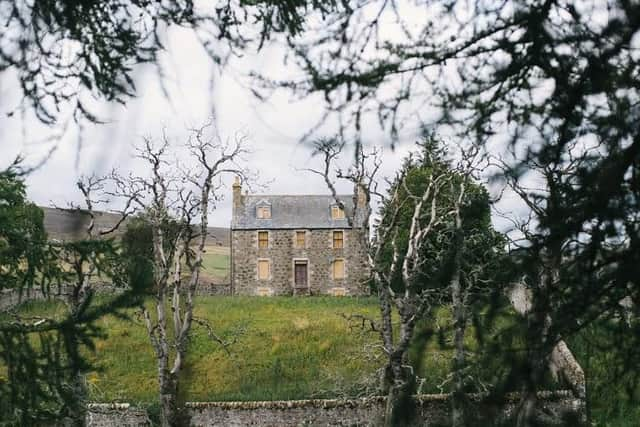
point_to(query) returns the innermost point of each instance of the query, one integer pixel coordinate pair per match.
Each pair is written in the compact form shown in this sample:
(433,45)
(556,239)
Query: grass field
(295,348)
(284,348)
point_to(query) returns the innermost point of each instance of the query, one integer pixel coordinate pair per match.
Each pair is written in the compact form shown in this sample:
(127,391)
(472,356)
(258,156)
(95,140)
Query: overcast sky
(274,127)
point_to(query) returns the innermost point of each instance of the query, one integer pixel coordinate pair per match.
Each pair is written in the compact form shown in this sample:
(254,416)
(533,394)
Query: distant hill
(64,224)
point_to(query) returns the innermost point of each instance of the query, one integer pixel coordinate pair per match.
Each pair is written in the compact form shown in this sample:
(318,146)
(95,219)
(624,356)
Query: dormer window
(337,212)
(263,212)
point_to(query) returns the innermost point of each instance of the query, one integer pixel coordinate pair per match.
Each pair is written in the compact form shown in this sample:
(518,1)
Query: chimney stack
(237,196)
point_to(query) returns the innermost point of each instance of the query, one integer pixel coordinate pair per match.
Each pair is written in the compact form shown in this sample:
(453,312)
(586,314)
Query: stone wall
(208,289)
(116,414)
(560,408)
(282,253)
(320,412)
(11,297)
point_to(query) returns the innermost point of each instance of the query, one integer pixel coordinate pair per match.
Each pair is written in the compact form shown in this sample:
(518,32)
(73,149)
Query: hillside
(296,348)
(280,348)
(64,224)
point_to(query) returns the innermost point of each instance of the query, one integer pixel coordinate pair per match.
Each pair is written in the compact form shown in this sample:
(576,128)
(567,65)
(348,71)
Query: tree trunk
(564,365)
(540,346)
(537,363)
(169,411)
(458,416)
(77,412)
(399,409)
(458,413)
(527,409)
(559,360)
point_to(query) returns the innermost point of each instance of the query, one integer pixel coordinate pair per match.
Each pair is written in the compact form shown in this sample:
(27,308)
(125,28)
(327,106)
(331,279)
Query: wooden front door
(301,274)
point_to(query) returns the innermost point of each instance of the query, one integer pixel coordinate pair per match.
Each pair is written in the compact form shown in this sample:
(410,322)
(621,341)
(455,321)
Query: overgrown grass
(286,349)
(295,348)
(279,348)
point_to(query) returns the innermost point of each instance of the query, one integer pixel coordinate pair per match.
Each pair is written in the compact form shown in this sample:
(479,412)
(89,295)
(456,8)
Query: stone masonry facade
(282,254)
(298,245)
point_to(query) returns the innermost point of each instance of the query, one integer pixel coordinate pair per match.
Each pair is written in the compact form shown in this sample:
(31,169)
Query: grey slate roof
(291,212)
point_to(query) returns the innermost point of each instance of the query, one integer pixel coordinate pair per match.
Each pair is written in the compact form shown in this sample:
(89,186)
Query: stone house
(296,245)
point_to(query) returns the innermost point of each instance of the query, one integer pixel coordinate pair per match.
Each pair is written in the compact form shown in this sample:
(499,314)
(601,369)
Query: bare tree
(410,301)
(172,198)
(424,230)
(544,76)
(361,173)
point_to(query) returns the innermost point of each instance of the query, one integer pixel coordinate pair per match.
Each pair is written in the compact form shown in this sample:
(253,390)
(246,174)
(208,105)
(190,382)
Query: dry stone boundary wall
(433,410)
(10,298)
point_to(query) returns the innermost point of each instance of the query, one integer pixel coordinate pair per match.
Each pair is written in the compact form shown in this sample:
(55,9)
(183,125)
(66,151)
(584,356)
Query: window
(263,239)
(338,240)
(338,269)
(263,212)
(263,269)
(301,237)
(337,212)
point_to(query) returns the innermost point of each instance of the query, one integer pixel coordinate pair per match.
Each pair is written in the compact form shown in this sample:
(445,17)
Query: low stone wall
(352,412)
(213,289)
(432,410)
(10,298)
(116,414)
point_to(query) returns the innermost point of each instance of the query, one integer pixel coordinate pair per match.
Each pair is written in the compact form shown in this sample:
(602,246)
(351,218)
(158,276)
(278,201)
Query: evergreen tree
(44,356)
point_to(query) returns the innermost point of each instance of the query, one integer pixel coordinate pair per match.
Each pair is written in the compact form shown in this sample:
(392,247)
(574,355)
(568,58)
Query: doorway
(301,275)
